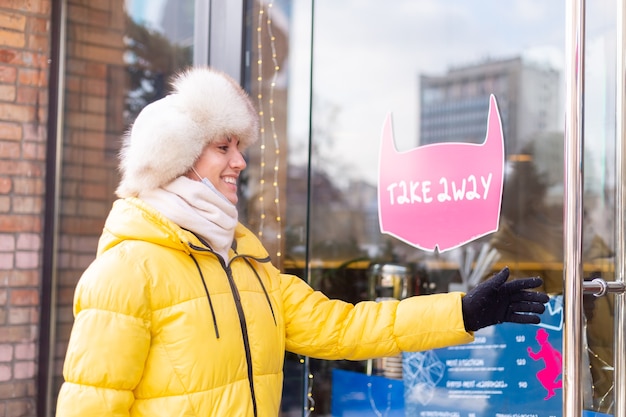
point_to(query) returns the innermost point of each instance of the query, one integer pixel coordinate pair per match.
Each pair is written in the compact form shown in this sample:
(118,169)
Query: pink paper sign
(443,195)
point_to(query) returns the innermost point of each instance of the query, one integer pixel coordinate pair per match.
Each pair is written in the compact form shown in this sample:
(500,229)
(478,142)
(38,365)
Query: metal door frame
(573,274)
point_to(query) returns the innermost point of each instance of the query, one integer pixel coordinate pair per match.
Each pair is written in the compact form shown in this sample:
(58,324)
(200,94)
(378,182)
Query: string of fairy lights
(605,365)
(265,19)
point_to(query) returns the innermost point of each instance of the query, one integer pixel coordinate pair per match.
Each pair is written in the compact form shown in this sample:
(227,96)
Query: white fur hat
(170,134)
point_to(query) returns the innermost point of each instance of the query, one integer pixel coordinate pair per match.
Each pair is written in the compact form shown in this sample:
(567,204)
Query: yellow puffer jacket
(164,328)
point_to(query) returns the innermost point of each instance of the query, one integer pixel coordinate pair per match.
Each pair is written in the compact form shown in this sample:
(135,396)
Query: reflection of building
(453,107)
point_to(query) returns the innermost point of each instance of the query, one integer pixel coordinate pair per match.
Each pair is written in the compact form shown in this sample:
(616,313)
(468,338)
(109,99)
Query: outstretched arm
(333,329)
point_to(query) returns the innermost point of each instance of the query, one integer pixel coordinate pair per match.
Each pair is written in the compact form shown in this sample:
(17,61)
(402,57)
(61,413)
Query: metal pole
(308,401)
(572,274)
(46,395)
(620,204)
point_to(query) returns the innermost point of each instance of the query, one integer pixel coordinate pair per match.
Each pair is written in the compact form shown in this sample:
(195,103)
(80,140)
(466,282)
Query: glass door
(433,66)
(326,73)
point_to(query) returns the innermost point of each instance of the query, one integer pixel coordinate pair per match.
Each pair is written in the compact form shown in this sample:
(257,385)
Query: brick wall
(24,50)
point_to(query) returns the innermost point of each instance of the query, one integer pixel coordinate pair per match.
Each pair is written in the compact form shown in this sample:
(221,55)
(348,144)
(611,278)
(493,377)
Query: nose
(238,161)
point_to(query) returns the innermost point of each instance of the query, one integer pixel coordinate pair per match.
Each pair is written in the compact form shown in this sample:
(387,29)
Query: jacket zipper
(244,331)
(242,318)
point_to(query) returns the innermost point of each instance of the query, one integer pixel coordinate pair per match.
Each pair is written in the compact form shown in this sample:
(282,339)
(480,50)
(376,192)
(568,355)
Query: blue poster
(356,394)
(510,370)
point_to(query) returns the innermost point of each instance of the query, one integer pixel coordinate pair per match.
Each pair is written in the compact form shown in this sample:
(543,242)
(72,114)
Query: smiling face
(221,162)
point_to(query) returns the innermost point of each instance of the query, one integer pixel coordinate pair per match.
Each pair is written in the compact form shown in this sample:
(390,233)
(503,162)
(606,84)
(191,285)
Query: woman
(183,314)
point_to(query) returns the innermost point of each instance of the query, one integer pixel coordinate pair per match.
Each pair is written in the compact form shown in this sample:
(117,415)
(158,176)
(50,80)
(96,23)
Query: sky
(368,56)
(147,11)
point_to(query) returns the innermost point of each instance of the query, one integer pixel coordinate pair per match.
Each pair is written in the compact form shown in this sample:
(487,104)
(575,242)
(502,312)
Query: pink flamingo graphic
(552,358)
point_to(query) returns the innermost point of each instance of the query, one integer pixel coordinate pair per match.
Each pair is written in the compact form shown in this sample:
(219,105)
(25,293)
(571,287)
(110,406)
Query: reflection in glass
(312,184)
(158,41)
(272,190)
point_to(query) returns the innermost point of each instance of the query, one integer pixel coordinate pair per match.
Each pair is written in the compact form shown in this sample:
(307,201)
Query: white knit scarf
(195,207)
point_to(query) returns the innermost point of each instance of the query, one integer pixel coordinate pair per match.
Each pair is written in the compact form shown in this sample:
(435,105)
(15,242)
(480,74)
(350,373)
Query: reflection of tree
(531,230)
(151,58)
(524,191)
(332,219)
(344,208)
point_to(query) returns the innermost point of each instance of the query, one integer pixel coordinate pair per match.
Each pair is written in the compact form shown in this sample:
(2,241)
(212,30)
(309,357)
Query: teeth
(230,180)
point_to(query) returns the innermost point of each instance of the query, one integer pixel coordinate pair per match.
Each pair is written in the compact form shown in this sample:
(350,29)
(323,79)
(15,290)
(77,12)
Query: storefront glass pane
(120,55)
(433,66)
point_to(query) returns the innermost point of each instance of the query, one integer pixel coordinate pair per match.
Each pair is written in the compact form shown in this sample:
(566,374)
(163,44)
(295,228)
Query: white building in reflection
(454,106)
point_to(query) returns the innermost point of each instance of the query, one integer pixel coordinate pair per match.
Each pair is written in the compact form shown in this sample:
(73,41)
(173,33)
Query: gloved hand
(496,301)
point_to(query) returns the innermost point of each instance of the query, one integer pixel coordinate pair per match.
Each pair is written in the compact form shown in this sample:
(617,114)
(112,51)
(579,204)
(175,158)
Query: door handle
(599,287)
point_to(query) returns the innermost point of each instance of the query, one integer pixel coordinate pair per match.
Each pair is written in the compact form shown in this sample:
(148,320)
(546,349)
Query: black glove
(494,301)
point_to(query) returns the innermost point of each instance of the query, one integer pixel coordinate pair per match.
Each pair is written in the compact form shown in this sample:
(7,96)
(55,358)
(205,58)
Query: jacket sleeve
(332,329)
(109,341)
